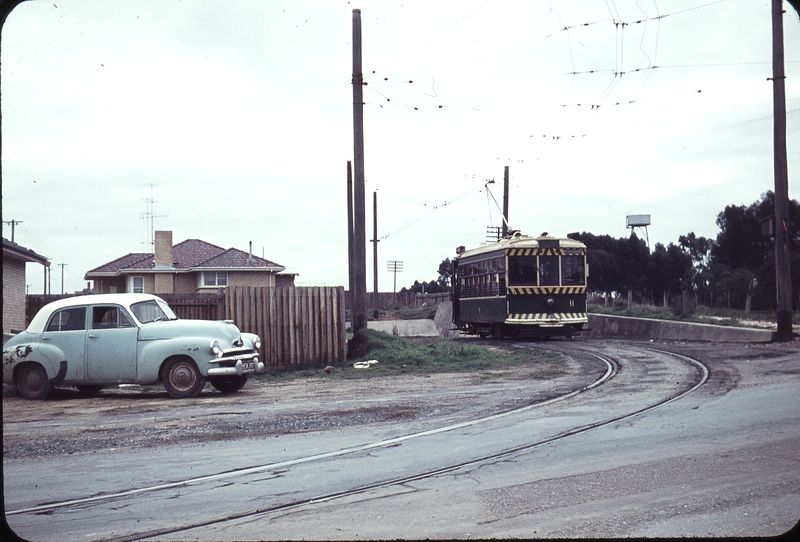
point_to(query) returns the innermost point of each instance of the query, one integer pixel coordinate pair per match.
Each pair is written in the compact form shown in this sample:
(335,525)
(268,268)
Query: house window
(136,285)
(215,279)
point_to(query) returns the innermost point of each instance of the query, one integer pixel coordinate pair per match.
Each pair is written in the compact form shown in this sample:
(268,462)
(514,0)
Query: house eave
(239,269)
(24,254)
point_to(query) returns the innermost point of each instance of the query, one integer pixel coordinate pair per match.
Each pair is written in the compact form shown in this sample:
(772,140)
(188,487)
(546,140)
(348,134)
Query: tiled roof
(237,258)
(193,252)
(189,254)
(134,260)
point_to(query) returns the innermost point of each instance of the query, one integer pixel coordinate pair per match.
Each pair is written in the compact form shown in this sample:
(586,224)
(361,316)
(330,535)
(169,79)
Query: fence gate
(297,326)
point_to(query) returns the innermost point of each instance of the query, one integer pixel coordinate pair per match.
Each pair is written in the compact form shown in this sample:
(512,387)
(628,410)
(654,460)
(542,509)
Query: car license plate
(248,365)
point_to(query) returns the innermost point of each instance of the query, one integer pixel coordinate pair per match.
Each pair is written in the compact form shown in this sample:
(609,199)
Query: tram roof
(518,240)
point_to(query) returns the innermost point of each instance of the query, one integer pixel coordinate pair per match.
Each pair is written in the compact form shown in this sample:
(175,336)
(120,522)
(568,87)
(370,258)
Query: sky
(232,122)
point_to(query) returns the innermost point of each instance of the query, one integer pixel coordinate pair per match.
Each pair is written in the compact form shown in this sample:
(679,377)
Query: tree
(666,270)
(699,248)
(615,265)
(440,285)
(431,287)
(741,245)
(445,274)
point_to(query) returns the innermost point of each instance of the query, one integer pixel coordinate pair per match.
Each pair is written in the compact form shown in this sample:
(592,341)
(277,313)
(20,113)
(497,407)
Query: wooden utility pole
(783,274)
(62,265)
(505,202)
(395,266)
(350,241)
(375,242)
(13,224)
(358,311)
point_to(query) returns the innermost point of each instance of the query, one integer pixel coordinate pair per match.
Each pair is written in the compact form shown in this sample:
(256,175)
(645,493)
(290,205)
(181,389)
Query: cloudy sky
(231,122)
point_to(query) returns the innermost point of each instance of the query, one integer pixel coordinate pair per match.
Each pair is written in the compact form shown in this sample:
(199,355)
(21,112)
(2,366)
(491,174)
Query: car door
(66,331)
(111,345)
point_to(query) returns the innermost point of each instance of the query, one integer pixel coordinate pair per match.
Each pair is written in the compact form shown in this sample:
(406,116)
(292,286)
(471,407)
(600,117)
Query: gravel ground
(131,417)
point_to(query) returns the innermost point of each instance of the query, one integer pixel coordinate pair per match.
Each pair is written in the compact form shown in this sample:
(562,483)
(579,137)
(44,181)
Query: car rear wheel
(181,378)
(228,384)
(32,382)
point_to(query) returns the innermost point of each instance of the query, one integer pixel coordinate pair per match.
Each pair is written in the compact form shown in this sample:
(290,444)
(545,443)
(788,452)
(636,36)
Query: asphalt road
(642,453)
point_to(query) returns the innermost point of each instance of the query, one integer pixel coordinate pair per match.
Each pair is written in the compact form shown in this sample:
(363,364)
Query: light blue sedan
(94,341)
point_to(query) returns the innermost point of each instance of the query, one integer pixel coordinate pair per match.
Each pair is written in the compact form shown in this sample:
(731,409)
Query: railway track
(618,360)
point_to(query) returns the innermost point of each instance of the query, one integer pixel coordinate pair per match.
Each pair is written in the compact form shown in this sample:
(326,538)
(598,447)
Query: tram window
(572,270)
(522,271)
(548,270)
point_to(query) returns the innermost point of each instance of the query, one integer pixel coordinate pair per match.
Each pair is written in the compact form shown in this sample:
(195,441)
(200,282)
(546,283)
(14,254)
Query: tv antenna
(149,217)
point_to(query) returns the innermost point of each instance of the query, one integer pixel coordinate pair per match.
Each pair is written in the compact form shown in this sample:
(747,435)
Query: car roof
(40,320)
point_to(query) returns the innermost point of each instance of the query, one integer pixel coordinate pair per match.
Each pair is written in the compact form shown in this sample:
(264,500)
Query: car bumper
(236,365)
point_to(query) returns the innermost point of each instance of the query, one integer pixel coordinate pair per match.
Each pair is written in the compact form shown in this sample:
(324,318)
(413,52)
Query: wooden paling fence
(196,306)
(297,326)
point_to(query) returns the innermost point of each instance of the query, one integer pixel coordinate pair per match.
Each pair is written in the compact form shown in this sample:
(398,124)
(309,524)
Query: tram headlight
(551,302)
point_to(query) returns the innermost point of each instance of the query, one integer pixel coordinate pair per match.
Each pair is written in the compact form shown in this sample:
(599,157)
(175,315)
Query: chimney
(250,258)
(163,249)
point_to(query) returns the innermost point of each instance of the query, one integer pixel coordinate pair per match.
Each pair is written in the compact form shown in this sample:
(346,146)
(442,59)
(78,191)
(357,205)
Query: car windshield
(152,311)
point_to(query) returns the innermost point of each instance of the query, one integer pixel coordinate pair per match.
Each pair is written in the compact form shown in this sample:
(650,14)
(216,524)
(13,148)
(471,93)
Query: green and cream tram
(521,286)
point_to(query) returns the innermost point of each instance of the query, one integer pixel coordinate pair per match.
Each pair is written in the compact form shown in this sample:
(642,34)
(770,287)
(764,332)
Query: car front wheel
(32,382)
(181,378)
(228,384)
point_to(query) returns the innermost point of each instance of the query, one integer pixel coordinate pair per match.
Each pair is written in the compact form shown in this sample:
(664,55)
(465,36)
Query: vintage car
(99,340)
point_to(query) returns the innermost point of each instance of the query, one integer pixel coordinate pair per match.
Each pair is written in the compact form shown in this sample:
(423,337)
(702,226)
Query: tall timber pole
(505,202)
(783,274)
(358,312)
(350,241)
(375,242)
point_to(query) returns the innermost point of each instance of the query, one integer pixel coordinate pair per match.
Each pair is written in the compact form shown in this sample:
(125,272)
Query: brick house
(190,267)
(15,257)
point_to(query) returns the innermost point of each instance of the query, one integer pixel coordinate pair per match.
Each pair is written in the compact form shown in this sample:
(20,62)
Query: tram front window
(572,271)
(522,271)
(548,270)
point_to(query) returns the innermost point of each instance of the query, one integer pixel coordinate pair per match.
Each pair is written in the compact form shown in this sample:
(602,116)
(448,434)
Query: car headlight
(216,349)
(256,342)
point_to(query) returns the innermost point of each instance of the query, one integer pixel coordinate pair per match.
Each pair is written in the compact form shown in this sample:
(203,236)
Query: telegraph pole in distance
(783,275)
(13,224)
(395,266)
(375,242)
(358,312)
(62,265)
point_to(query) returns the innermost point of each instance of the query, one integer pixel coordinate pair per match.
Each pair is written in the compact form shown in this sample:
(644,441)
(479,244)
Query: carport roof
(19,252)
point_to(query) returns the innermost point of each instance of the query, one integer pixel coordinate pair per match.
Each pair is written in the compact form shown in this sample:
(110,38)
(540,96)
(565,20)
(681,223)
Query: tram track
(609,373)
(612,370)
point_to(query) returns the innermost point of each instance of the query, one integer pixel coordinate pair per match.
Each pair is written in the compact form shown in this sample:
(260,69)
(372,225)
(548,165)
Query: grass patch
(429,355)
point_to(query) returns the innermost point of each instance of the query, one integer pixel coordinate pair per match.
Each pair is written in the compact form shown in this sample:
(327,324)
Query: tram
(521,286)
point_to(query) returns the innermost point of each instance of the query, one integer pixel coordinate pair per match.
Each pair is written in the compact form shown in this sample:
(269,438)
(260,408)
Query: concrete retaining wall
(600,326)
(444,320)
(606,326)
